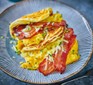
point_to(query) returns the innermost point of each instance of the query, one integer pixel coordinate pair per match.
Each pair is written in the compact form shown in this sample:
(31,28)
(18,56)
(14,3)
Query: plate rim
(60,80)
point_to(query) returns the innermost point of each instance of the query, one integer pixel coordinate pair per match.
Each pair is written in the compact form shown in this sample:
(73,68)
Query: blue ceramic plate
(11,66)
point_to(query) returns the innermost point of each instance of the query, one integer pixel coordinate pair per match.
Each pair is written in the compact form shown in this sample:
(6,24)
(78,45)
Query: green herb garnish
(50,54)
(29,68)
(1,37)
(29,28)
(41,50)
(11,39)
(57,11)
(18,52)
(44,34)
(28,62)
(73,51)
(46,29)
(50,47)
(21,62)
(60,43)
(61,15)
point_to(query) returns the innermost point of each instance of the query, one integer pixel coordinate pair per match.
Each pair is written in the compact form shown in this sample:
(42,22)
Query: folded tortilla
(33,17)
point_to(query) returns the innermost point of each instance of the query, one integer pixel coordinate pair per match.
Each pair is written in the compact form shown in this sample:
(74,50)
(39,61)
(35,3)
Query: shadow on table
(14,0)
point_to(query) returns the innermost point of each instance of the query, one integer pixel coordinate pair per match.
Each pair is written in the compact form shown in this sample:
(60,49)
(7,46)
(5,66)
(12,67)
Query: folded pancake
(38,35)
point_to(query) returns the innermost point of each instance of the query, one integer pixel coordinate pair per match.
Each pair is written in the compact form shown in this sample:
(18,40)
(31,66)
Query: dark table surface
(85,7)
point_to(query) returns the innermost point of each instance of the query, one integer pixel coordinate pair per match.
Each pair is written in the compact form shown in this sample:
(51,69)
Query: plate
(9,60)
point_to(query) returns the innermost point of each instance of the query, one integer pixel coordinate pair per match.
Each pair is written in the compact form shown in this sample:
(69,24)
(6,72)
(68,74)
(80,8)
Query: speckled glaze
(73,18)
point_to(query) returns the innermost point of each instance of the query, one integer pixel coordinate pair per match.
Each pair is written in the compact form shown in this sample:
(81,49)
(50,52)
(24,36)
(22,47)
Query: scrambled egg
(73,54)
(19,45)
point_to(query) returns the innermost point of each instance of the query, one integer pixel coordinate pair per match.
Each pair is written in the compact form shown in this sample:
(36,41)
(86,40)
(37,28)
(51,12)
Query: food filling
(48,45)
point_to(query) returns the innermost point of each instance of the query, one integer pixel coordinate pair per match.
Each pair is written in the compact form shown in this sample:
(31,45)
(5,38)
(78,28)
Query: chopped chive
(61,15)
(18,52)
(29,68)
(21,62)
(50,54)
(78,54)
(60,43)
(46,29)
(28,62)
(11,39)
(50,47)
(41,50)
(1,37)
(57,11)
(13,42)
(29,28)
(44,34)
(73,51)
